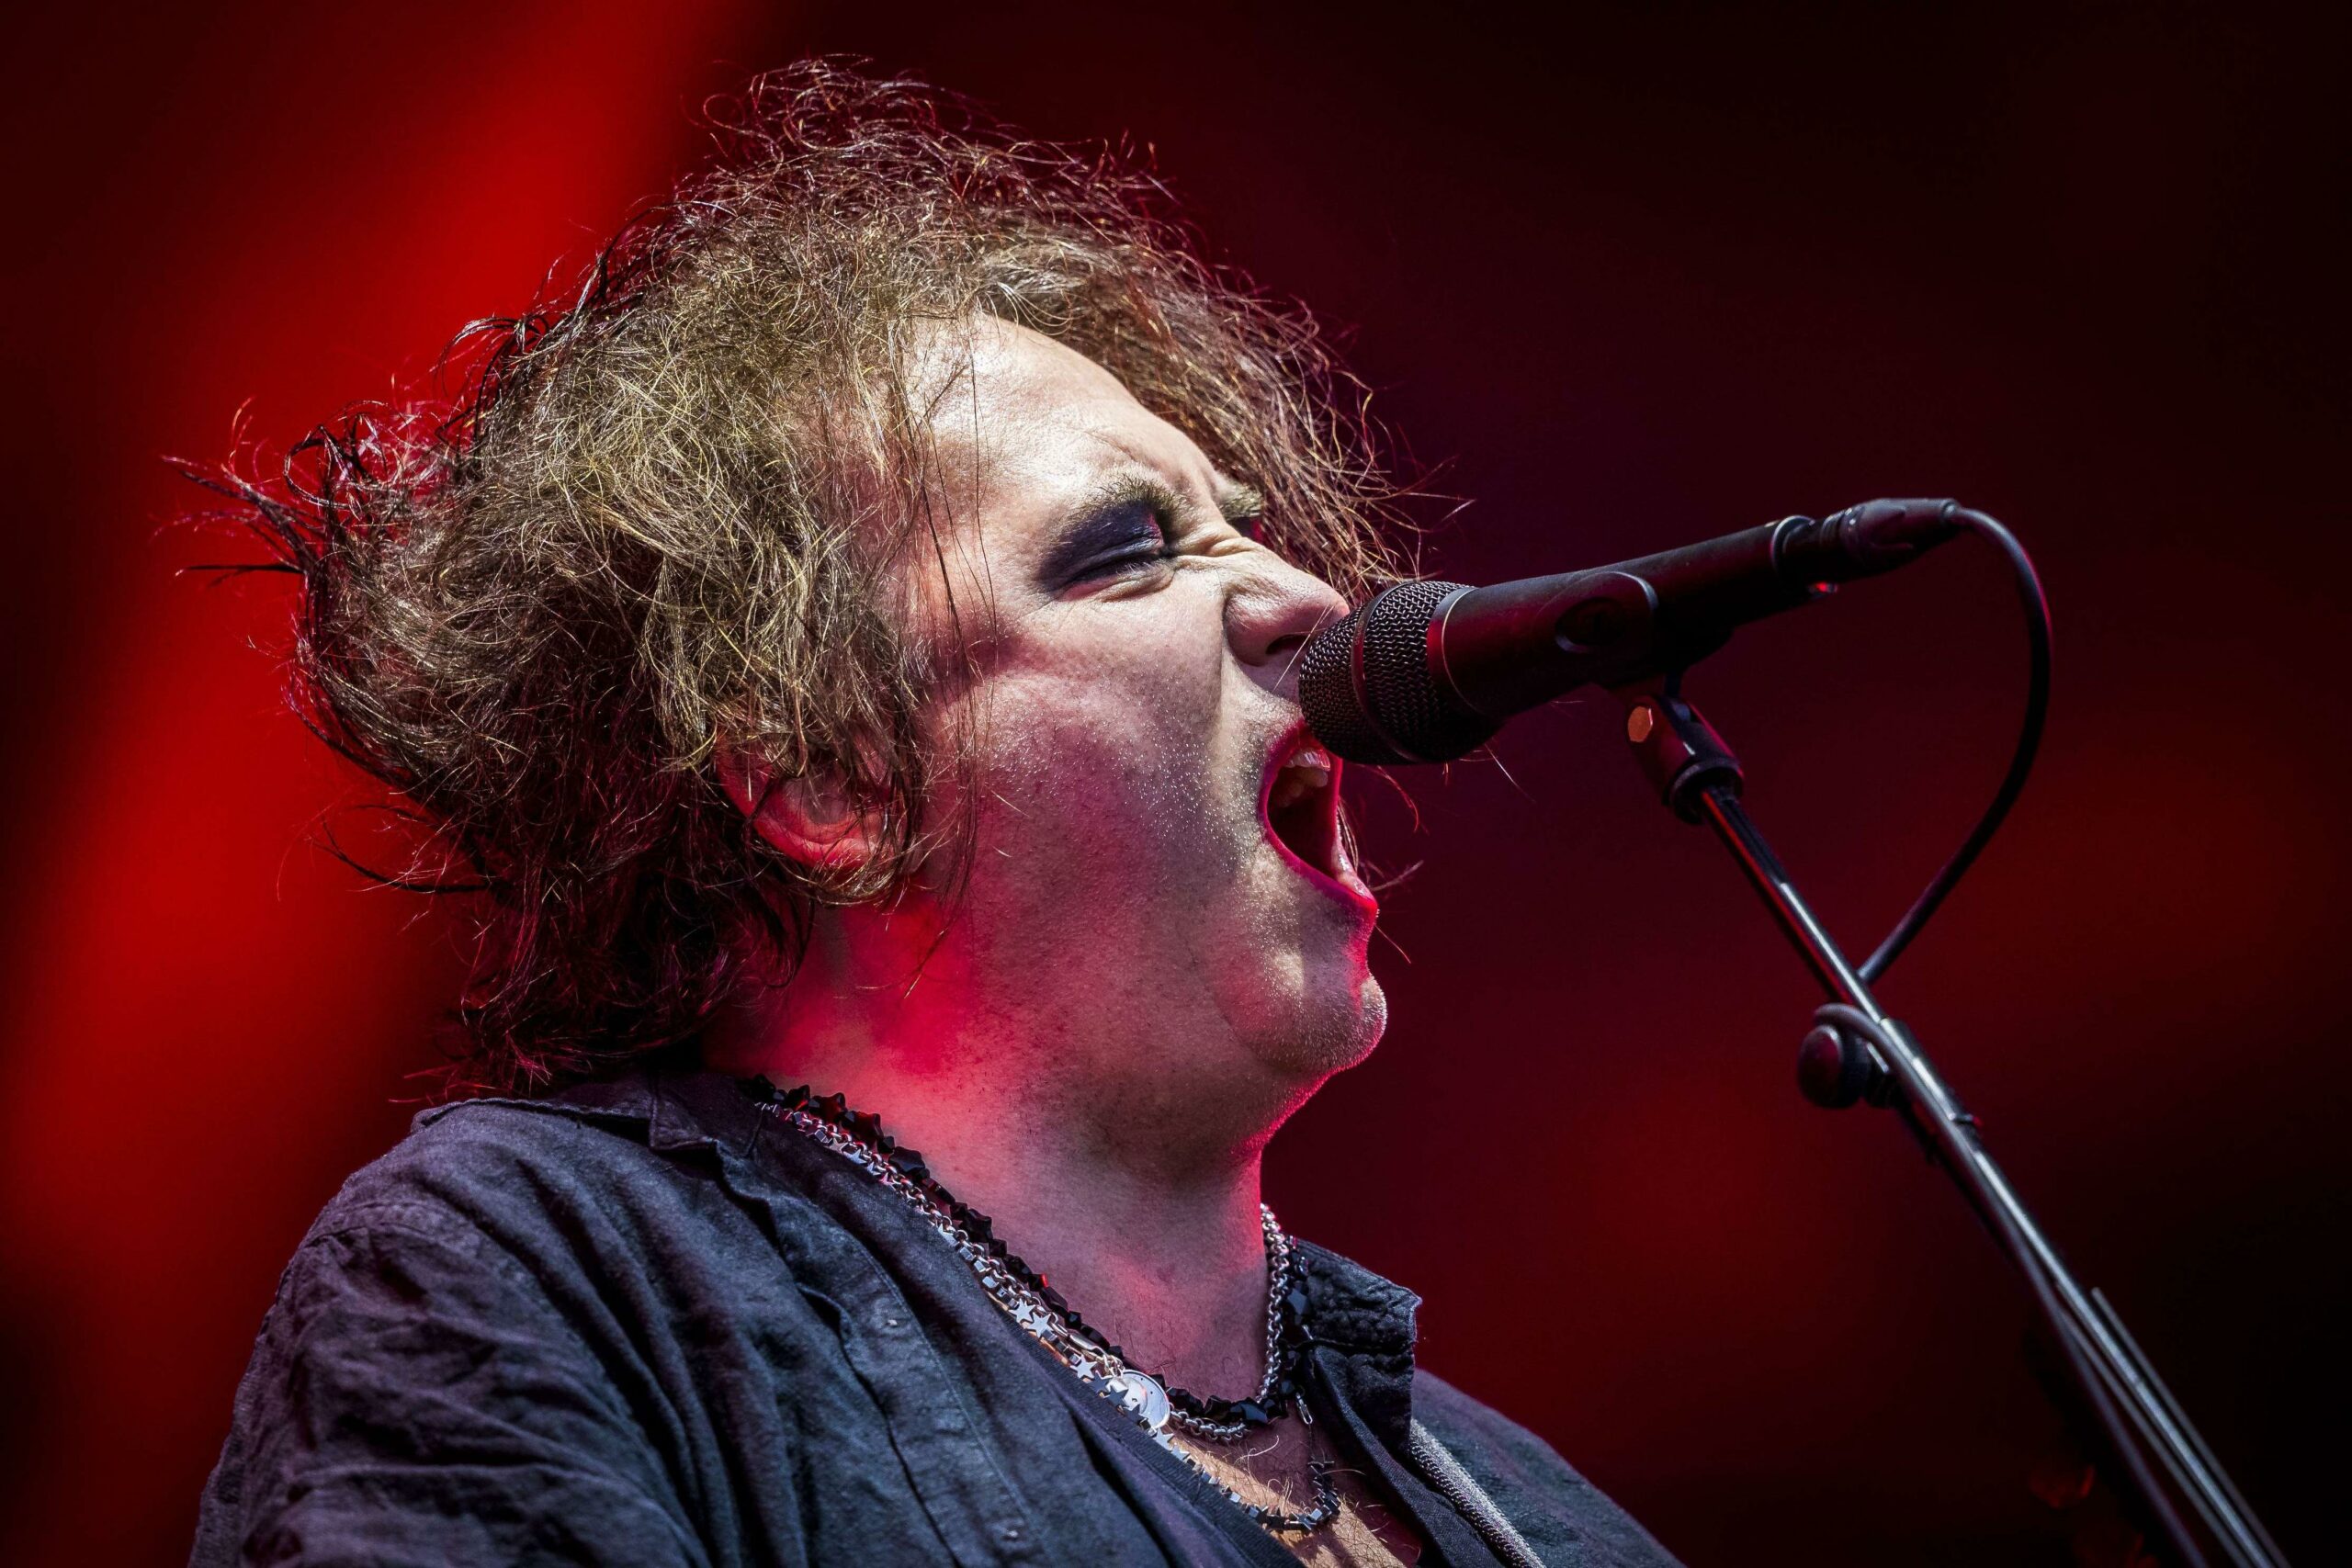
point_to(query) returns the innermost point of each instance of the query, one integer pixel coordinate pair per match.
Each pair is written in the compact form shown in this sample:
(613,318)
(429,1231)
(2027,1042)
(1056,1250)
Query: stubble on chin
(1325,1035)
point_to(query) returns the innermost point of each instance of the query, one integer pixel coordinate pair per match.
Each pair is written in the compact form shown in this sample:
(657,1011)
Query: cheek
(1062,769)
(1118,745)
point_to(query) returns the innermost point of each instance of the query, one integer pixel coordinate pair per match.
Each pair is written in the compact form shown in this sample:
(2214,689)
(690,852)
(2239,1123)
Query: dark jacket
(643,1323)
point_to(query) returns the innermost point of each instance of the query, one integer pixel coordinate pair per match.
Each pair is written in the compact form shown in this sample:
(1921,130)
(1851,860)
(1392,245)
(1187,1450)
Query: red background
(1653,273)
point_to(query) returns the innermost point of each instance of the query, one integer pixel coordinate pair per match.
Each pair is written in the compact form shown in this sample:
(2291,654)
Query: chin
(1329,1031)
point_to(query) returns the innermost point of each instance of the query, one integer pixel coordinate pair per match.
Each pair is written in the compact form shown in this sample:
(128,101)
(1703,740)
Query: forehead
(1027,427)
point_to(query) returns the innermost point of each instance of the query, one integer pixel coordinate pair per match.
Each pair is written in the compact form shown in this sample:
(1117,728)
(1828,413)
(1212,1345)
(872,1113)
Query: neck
(1137,1198)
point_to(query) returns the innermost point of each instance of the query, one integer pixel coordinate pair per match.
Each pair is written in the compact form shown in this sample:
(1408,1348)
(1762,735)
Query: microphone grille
(1326,693)
(1367,689)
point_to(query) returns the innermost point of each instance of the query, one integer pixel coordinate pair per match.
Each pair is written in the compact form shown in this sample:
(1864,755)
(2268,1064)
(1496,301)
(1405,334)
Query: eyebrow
(1241,507)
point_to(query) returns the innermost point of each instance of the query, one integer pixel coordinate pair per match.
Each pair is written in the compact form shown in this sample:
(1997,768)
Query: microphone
(1424,672)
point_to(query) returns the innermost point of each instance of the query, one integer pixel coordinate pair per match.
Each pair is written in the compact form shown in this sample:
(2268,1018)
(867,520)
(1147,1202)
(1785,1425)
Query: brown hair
(677,507)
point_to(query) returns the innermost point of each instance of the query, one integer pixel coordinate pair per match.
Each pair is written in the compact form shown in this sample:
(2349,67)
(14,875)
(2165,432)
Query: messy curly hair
(677,507)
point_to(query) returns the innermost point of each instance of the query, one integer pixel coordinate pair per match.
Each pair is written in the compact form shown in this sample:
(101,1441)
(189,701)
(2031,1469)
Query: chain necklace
(1048,1320)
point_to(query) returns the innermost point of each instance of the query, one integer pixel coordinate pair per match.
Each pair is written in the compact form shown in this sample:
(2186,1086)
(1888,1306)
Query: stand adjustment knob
(1835,1070)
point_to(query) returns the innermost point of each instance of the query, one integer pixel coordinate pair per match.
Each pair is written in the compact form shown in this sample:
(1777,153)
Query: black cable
(2037,709)
(2124,1432)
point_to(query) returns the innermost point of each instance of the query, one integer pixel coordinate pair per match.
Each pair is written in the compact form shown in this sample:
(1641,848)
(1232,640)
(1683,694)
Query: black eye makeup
(1110,538)
(1130,525)
(1134,524)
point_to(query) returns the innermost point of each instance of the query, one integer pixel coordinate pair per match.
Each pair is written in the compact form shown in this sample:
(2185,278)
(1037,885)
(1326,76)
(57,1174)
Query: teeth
(1308,771)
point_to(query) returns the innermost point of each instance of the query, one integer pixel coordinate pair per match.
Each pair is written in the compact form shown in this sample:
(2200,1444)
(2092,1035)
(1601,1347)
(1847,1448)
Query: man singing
(847,654)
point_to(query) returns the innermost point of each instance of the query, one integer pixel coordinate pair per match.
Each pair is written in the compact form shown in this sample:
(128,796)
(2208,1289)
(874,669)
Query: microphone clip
(1679,751)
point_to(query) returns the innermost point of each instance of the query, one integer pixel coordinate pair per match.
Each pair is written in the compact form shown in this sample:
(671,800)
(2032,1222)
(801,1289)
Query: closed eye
(1138,527)
(1125,537)
(1133,562)
(1127,526)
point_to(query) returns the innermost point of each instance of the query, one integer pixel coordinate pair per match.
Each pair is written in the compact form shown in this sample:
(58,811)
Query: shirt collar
(1351,1310)
(679,1105)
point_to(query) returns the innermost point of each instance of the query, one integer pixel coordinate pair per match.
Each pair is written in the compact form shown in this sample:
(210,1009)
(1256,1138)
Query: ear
(819,819)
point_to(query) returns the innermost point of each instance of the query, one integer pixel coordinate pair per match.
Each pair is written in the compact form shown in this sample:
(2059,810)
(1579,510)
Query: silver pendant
(1140,1396)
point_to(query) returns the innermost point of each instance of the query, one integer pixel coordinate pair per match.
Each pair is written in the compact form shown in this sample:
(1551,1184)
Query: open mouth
(1301,807)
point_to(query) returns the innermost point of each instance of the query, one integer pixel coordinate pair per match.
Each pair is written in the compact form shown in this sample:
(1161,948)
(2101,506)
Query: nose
(1270,612)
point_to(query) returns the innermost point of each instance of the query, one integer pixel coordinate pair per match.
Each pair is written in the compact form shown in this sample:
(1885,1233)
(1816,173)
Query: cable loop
(2037,711)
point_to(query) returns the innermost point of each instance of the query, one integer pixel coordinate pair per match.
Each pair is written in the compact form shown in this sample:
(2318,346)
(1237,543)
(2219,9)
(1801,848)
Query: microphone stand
(1857,1053)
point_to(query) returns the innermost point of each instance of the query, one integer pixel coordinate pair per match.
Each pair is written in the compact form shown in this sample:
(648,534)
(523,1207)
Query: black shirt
(644,1323)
